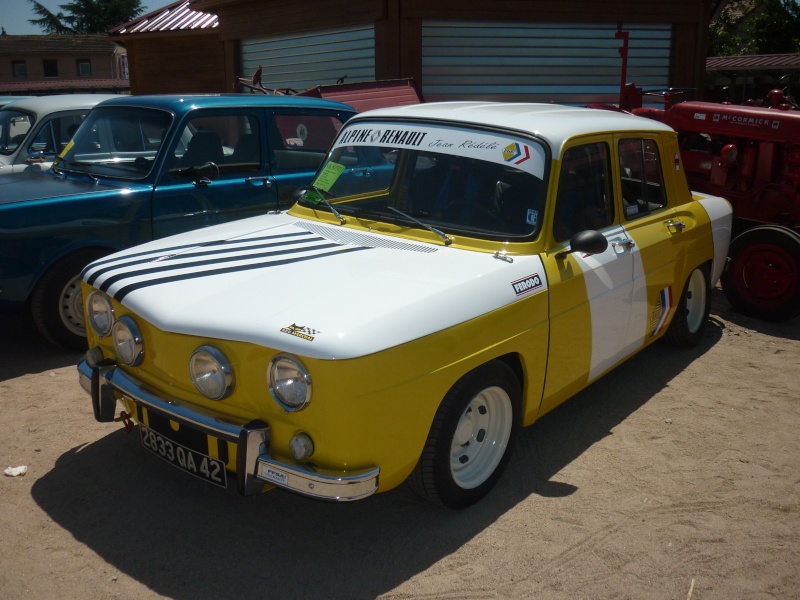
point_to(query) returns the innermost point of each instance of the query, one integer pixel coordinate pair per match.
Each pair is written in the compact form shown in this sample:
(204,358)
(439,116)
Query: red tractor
(751,156)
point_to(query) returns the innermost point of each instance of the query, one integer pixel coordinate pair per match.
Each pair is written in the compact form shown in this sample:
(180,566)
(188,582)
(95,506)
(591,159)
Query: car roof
(46,104)
(555,123)
(182,103)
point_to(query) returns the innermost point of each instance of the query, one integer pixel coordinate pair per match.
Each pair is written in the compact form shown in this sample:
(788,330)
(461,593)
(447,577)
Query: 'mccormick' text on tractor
(751,156)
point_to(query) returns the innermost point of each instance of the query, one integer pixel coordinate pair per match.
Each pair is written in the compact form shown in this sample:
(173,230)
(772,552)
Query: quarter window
(642,180)
(584,198)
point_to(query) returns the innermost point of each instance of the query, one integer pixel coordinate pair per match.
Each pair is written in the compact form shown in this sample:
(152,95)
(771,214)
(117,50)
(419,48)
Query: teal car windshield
(479,183)
(117,142)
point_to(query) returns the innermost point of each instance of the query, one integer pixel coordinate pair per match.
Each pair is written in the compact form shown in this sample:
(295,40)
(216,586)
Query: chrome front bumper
(254,465)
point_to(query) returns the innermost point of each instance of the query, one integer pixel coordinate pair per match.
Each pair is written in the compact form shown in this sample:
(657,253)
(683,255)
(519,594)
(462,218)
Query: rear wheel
(691,313)
(762,277)
(57,305)
(470,440)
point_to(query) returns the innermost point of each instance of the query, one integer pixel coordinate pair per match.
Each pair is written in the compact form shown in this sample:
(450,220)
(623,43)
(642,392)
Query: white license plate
(195,463)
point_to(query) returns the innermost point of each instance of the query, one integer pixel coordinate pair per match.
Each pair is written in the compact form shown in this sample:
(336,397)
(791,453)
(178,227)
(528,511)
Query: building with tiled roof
(57,64)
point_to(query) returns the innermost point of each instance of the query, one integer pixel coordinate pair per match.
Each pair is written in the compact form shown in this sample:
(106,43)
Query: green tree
(86,16)
(756,27)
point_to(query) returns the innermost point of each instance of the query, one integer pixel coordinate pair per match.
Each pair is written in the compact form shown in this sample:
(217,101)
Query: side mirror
(585,242)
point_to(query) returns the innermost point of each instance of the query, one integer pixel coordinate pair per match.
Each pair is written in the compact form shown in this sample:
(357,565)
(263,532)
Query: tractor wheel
(762,277)
(470,440)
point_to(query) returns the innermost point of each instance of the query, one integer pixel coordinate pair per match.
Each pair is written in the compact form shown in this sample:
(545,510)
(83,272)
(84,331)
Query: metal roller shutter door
(304,60)
(541,62)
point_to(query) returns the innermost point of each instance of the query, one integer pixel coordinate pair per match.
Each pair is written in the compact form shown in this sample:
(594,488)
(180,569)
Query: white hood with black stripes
(308,288)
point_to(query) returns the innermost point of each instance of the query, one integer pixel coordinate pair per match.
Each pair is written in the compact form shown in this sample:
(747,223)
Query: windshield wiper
(320,197)
(84,169)
(447,239)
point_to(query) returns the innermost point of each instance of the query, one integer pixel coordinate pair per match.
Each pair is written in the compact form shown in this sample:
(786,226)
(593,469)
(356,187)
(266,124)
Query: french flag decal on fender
(666,306)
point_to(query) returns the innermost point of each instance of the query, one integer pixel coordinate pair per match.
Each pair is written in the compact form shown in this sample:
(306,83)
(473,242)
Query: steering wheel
(453,209)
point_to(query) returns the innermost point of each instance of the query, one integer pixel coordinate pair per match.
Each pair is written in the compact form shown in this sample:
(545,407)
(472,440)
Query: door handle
(676,226)
(625,244)
(259,181)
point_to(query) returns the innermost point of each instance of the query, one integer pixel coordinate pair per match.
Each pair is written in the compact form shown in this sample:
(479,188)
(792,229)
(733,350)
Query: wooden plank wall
(178,64)
(161,64)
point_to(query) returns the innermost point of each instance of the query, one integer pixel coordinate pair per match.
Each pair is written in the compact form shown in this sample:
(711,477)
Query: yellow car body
(417,343)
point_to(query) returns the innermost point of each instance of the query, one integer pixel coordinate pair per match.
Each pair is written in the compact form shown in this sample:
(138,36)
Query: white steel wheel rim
(481,437)
(70,307)
(695,300)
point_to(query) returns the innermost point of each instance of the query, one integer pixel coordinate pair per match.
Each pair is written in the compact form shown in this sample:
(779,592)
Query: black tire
(56,302)
(762,276)
(474,429)
(691,312)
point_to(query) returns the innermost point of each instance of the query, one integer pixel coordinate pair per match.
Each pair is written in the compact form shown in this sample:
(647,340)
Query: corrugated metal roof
(753,62)
(174,17)
(95,43)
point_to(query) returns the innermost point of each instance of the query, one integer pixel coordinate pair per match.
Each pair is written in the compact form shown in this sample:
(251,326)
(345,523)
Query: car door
(590,295)
(299,140)
(656,231)
(239,184)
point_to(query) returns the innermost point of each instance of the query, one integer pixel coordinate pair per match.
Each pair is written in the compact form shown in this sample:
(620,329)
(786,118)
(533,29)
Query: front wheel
(470,440)
(691,312)
(762,277)
(57,305)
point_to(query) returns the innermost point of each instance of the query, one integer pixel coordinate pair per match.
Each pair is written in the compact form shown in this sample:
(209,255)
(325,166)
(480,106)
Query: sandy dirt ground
(675,476)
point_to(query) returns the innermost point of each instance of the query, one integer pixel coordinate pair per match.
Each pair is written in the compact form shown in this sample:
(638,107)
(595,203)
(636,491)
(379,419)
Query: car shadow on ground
(184,539)
(24,350)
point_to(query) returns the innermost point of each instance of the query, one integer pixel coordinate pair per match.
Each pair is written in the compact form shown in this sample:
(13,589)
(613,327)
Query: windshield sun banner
(523,154)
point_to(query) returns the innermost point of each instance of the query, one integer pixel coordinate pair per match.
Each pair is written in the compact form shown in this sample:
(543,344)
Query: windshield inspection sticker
(328,177)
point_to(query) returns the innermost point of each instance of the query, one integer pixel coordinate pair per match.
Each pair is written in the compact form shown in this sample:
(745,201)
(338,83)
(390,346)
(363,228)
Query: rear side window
(300,142)
(642,182)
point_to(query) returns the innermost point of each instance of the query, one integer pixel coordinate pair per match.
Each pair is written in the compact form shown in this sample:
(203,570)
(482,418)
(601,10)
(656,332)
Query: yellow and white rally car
(453,272)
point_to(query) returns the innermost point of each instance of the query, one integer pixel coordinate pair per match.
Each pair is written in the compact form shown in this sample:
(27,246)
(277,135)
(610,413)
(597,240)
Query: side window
(300,141)
(642,182)
(54,136)
(232,142)
(584,198)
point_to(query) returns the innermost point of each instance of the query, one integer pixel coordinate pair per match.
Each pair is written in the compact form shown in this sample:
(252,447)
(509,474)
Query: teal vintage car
(144,167)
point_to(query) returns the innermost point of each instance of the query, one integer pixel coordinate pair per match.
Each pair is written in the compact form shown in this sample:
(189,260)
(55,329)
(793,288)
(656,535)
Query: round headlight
(128,341)
(289,382)
(211,373)
(100,313)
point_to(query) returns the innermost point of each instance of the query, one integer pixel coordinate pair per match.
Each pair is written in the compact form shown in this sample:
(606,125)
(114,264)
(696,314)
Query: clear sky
(14,14)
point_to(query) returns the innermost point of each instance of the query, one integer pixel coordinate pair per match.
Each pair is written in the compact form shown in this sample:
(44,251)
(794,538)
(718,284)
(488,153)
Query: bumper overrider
(255,467)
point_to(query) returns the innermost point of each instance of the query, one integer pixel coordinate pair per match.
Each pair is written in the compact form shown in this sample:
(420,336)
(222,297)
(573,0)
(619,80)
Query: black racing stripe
(149,259)
(124,291)
(173,249)
(162,267)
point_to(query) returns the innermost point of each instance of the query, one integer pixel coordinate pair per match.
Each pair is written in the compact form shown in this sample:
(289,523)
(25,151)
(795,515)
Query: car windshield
(117,142)
(14,126)
(476,182)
